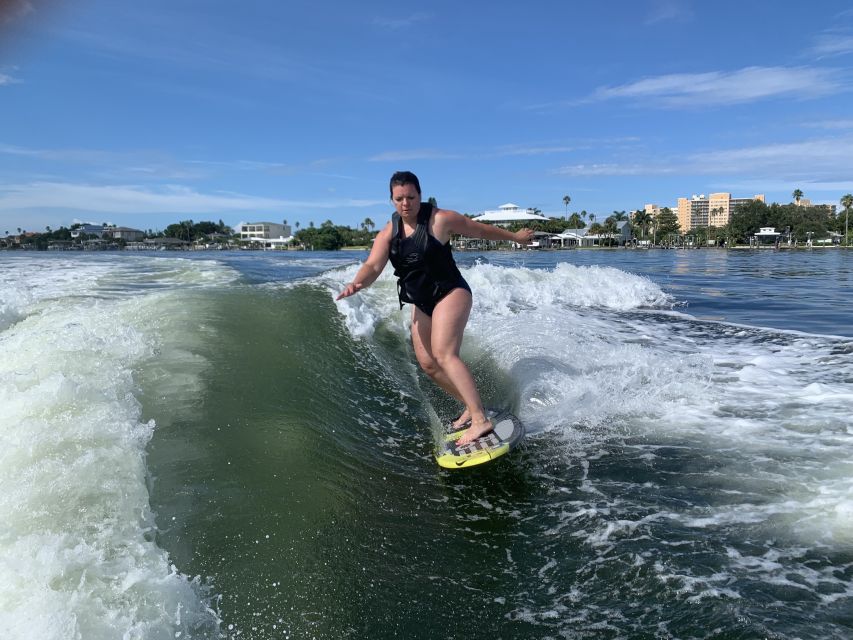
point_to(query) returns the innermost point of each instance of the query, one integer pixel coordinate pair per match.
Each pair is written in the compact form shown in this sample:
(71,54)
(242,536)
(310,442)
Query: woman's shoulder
(446,222)
(386,229)
(445,213)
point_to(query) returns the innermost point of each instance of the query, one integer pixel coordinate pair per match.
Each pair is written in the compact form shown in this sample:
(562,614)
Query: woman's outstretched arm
(453,222)
(373,266)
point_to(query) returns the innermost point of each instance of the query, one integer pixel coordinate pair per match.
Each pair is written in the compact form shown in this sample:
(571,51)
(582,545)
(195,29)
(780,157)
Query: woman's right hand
(351,289)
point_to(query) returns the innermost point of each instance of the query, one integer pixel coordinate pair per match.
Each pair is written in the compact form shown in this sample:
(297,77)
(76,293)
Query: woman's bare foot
(475,431)
(463,420)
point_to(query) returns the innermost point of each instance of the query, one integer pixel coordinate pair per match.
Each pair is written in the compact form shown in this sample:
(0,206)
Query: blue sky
(143,114)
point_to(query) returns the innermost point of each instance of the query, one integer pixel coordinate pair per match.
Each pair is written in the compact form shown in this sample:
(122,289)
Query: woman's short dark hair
(402,178)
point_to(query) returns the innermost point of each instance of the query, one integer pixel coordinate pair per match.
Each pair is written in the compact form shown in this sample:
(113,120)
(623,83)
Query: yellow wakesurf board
(508,431)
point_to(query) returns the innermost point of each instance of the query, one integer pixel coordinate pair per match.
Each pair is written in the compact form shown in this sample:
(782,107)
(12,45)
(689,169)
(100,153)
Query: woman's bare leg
(422,343)
(448,324)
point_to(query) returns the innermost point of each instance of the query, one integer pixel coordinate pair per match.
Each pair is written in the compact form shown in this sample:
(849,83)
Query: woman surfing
(417,242)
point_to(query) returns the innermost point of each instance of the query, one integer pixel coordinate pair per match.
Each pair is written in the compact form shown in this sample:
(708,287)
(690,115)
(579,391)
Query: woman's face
(406,199)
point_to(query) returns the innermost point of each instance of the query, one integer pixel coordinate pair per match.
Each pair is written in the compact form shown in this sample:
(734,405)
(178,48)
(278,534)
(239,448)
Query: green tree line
(798,220)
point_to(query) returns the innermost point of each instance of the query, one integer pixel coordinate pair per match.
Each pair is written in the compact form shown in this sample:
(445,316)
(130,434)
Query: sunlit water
(210,447)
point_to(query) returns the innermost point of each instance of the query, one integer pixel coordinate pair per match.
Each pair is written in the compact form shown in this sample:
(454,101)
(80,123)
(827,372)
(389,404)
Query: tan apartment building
(714,210)
(652,209)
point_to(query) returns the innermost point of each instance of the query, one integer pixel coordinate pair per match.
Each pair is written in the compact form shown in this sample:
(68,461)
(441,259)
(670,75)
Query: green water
(300,485)
(294,475)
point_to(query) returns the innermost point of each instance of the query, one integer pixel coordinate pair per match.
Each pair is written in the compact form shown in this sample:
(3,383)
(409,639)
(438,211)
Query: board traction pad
(508,431)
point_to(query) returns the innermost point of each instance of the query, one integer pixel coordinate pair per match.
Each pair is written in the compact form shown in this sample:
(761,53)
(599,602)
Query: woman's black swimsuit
(425,269)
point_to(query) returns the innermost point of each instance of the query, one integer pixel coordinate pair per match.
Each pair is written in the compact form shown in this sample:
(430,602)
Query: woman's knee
(443,358)
(429,364)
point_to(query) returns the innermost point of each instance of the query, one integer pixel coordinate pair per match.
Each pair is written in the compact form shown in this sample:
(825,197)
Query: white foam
(501,291)
(595,352)
(77,551)
(370,307)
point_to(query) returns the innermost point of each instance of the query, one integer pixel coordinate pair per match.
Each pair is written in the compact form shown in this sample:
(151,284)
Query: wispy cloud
(109,165)
(88,156)
(415,154)
(403,22)
(503,151)
(820,160)
(669,10)
(765,185)
(532,150)
(614,169)
(129,199)
(210,50)
(830,124)
(828,45)
(312,168)
(716,88)
(152,166)
(6,79)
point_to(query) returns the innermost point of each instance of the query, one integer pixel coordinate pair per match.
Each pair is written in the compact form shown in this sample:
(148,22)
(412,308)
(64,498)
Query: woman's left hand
(524,236)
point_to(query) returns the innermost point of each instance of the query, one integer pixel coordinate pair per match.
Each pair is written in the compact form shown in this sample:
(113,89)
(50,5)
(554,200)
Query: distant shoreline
(739,247)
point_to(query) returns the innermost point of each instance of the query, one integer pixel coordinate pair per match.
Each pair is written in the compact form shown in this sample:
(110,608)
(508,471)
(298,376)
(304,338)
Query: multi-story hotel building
(714,210)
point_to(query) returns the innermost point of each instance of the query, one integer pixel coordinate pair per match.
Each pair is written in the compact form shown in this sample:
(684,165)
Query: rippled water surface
(209,446)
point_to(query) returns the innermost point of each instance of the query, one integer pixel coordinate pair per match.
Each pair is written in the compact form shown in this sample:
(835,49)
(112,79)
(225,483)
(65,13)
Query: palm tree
(797,195)
(642,219)
(368,224)
(297,225)
(846,202)
(566,200)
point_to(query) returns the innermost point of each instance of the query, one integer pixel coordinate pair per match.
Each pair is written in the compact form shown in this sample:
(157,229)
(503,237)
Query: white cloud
(786,186)
(668,10)
(125,199)
(524,149)
(613,169)
(403,22)
(7,79)
(829,44)
(724,88)
(821,160)
(830,124)
(532,150)
(414,154)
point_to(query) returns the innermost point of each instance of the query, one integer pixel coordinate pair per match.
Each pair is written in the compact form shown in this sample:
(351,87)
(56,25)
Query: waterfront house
(573,238)
(766,235)
(508,213)
(161,244)
(263,230)
(126,233)
(582,237)
(89,229)
(503,216)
